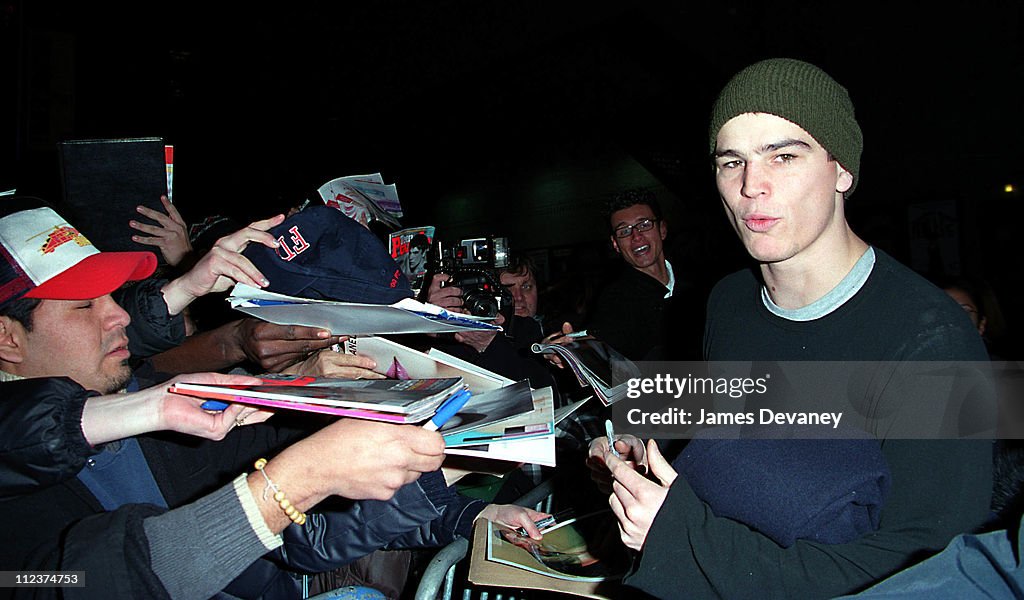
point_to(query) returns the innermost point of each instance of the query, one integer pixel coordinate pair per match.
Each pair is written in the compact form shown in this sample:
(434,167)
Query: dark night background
(520,118)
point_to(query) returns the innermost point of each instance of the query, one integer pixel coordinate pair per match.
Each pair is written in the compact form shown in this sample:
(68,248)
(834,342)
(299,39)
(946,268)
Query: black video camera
(472,266)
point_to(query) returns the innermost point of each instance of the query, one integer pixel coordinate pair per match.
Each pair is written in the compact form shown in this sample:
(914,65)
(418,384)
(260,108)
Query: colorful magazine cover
(410,248)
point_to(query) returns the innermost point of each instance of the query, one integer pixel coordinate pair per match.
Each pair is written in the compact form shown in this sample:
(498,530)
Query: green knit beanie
(798,92)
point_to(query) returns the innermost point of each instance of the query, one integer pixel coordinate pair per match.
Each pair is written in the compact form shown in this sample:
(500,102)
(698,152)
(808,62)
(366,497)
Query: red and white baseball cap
(43,256)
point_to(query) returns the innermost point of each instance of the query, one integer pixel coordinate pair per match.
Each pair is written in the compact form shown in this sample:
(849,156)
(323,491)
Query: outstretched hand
(352,458)
(635,499)
(222,266)
(120,416)
(360,459)
(558,337)
(328,363)
(513,517)
(183,414)
(170,234)
(276,347)
(479,340)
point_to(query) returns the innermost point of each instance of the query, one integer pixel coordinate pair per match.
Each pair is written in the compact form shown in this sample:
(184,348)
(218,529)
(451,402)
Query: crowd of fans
(103,471)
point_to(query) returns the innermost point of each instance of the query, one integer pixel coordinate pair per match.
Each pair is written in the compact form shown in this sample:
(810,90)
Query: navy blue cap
(325,255)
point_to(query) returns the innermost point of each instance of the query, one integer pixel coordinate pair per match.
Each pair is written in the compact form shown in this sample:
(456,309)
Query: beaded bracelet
(297,516)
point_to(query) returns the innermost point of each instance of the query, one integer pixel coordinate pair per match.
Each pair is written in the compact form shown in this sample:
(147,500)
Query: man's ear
(12,340)
(845,181)
(663,228)
(615,244)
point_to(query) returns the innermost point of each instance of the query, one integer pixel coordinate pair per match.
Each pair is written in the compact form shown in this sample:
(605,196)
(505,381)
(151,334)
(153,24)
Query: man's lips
(760,223)
(120,348)
(640,249)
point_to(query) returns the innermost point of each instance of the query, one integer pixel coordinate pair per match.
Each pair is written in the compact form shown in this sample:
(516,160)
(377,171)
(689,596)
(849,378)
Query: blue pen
(215,405)
(448,409)
(268,302)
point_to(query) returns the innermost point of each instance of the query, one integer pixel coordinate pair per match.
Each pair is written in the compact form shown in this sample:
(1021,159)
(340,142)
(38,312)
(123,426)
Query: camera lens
(480,303)
(481,291)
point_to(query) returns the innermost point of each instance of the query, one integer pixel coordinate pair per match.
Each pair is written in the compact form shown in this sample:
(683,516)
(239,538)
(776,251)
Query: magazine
(455,361)
(401,362)
(507,413)
(351,318)
(595,364)
(505,442)
(587,548)
(410,248)
(364,198)
(408,401)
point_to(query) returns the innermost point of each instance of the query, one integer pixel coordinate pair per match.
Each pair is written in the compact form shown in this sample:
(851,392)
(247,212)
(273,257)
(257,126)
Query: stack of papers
(352,318)
(524,438)
(595,364)
(392,400)
(503,420)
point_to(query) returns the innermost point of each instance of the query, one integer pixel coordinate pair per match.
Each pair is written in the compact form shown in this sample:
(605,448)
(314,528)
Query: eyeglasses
(969,308)
(641,225)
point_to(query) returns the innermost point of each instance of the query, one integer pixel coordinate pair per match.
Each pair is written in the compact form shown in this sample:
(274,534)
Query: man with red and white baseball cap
(45,257)
(57,317)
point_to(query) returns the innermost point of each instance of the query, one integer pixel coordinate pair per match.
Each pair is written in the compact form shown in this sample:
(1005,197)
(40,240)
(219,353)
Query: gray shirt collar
(835,298)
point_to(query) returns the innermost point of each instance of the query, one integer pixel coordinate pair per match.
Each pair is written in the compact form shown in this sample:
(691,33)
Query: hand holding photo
(583,549)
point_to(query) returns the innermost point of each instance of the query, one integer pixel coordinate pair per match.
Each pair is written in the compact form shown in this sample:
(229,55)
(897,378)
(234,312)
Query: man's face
(640,249)
(523,288)
(417,259)
(81,339)
(779,188)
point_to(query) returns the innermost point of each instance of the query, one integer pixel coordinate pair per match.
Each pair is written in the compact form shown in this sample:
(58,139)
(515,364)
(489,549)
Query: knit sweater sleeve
(197,549)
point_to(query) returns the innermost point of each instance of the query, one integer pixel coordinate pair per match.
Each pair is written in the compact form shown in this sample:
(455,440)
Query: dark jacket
(152,329)
(41,441)
(633,316)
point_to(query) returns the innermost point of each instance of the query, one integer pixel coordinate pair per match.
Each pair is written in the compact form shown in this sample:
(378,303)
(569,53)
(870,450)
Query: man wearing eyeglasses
(634,312)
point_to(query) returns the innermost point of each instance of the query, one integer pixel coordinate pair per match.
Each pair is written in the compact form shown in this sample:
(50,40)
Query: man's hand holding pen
(559,337)
(630,450)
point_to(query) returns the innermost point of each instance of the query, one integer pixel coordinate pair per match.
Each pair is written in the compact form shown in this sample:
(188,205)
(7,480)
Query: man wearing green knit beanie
(786,149)
(802,94)
(787,152)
